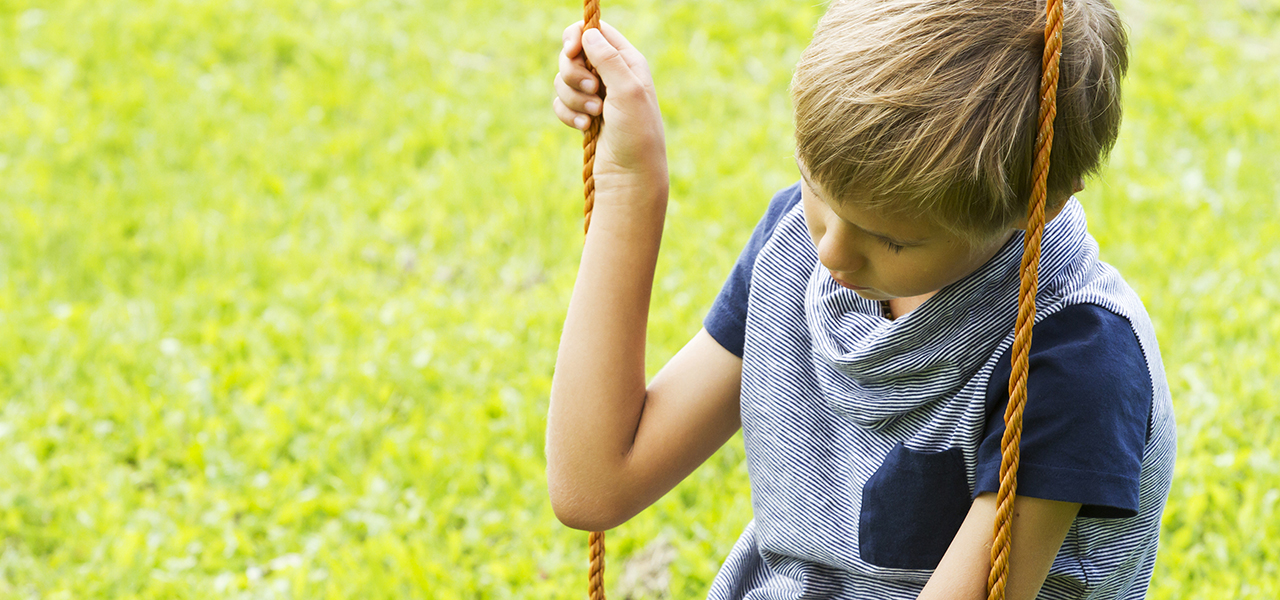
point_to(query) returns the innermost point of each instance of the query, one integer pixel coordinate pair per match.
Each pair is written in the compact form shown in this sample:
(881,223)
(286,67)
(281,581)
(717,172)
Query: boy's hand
(631,150)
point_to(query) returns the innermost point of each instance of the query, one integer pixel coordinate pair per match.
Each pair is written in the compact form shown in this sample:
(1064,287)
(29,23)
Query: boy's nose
(838,252)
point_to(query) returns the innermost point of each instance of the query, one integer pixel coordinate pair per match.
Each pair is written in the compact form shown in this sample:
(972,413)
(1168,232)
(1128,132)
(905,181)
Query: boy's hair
(929,107)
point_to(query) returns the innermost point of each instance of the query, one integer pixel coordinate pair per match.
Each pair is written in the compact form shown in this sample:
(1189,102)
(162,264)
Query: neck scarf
(878,369)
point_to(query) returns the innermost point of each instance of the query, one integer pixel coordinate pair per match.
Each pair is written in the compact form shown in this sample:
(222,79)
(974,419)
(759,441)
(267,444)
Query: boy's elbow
(576,517)
(584,510)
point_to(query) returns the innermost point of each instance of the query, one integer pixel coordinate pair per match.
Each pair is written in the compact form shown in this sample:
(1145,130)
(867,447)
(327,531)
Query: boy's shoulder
(1086,349)
(727,317)
(782,203)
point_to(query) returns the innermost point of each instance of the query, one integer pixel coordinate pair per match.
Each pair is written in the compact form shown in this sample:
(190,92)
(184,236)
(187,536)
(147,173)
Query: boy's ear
(1053,206)
(1058,203)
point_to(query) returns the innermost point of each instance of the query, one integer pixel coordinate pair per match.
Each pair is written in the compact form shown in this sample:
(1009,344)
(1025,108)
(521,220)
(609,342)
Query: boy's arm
(610,457)
(615,445)
(1039,527)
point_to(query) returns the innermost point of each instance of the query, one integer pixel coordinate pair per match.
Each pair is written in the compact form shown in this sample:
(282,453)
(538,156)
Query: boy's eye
(896,248)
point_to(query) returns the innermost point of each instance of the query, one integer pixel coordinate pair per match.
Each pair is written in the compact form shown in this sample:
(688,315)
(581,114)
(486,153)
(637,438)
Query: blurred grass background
(281,284)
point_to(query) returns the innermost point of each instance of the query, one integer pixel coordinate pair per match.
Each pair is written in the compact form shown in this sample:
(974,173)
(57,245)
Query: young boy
(862,340)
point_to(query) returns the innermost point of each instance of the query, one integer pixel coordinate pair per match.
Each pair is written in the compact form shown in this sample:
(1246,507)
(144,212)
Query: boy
(862,340)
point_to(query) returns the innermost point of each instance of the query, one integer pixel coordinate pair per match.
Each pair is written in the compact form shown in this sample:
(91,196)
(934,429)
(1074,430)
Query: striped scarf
(877,369)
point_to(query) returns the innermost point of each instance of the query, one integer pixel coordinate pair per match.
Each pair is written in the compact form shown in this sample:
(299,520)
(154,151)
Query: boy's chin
(868,293)
(876,295)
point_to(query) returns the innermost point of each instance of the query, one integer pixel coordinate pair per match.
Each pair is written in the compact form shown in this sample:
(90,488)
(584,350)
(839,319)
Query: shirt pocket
(912,507)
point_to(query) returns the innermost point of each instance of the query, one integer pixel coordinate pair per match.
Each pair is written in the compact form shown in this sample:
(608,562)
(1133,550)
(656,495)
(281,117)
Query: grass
(281,284)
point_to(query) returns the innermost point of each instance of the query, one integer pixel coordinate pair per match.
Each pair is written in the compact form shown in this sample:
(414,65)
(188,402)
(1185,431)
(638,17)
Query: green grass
(281,286)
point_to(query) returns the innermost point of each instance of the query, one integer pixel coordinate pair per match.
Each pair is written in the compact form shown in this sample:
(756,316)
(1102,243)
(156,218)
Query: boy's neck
(902,306)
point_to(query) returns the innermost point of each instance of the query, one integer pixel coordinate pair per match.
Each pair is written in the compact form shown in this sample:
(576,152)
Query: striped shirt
(867,439)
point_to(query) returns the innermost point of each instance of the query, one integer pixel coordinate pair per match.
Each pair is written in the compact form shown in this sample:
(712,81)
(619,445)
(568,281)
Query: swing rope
(591,19)
(1009,444)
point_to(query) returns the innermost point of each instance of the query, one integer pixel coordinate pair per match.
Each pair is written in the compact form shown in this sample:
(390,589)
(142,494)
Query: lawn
(281,285)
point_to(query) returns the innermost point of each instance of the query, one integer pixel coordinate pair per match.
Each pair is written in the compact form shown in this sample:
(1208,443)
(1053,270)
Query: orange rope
(595,576)
(1026,306)
(591,20)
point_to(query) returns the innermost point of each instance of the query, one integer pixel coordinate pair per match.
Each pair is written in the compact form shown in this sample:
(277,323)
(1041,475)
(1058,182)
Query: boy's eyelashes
(894,245)
(896,248)
(891,243)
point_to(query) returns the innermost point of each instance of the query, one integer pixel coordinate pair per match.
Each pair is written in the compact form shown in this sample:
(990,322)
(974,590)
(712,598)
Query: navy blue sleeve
(1086,420)
(727,319)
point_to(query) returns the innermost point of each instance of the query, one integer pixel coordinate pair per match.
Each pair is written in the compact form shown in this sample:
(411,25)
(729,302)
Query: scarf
(876,369)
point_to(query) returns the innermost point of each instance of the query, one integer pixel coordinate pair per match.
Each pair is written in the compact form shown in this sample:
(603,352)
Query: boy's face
(885,257)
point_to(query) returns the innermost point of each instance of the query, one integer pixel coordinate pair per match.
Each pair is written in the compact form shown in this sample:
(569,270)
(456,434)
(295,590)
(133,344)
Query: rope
(595,576)
(591,19)
(1026,306)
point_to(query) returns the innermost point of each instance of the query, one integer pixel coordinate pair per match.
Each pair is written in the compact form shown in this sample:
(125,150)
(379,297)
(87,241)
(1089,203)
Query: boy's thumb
(606,59)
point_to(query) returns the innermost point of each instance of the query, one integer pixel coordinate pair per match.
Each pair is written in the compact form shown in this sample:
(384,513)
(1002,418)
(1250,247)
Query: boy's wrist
(639,191)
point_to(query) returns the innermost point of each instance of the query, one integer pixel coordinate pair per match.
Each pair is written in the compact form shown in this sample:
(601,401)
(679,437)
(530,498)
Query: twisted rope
(591,19)
(1009,450)
(595,576)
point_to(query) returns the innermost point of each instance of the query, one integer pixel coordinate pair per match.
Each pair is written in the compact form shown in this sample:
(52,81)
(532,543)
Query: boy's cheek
(815,227)
(812,217)
(815,232)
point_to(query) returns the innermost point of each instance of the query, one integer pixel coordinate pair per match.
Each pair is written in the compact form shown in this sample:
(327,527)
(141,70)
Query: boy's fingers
(574,72)
(607,60)
(576,100)
(572,39)
(615,37)
(569,117)
(629,53)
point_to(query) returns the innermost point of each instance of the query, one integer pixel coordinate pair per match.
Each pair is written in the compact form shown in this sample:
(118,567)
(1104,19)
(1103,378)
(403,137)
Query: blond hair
(929,106)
